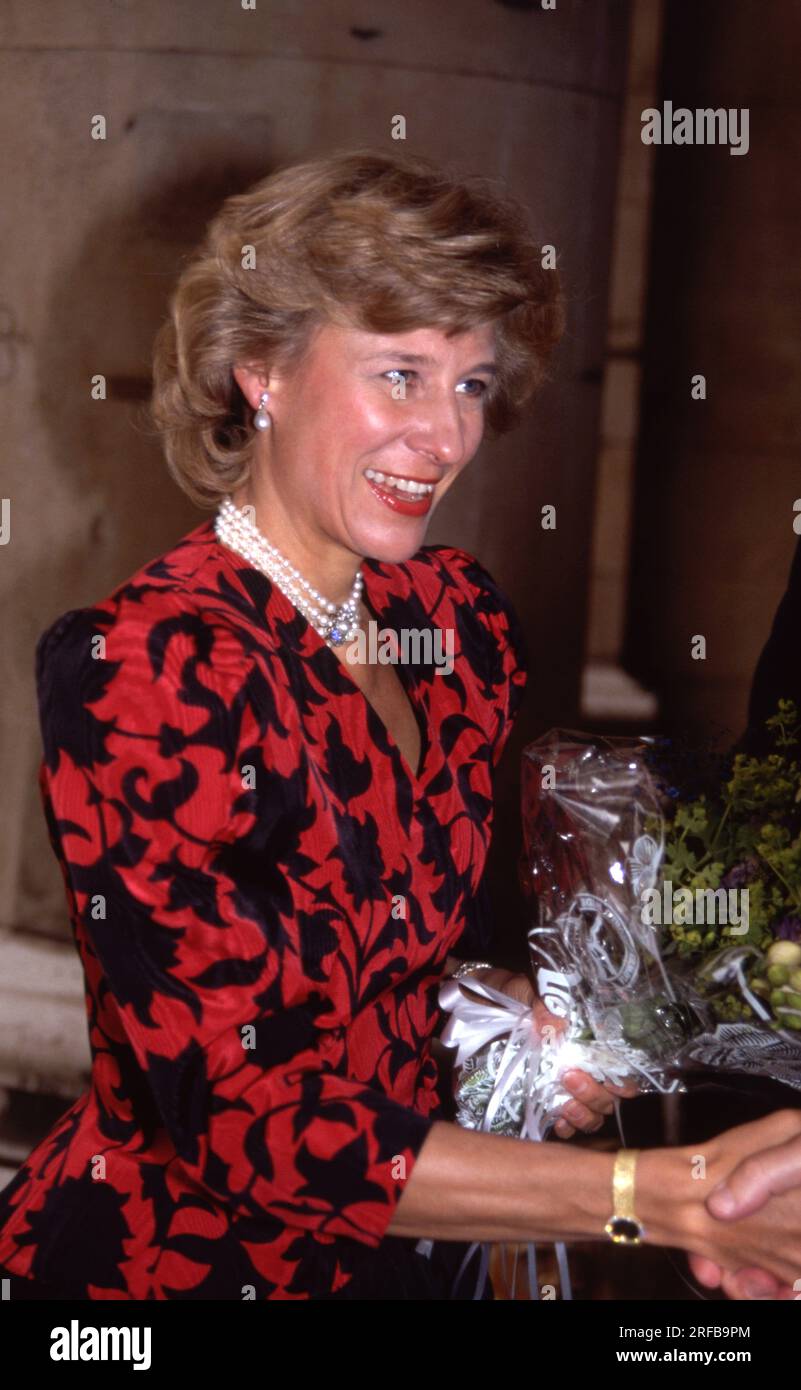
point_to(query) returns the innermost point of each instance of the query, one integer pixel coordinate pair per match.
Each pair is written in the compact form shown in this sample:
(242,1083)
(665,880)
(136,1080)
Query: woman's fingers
(589,1094)
(591,1102)
(582,1117)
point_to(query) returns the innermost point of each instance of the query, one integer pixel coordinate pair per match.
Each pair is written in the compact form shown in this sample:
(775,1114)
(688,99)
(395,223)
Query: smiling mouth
(408,500)
(407,487)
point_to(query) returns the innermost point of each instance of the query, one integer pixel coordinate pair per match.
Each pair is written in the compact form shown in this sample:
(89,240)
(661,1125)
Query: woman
(272,849)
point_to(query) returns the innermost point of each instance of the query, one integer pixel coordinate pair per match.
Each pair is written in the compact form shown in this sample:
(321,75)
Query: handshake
(755,1248)
(732,1203)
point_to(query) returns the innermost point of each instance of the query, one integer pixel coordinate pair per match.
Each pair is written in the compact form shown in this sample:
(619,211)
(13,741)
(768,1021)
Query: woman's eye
(476,381)
(400,371)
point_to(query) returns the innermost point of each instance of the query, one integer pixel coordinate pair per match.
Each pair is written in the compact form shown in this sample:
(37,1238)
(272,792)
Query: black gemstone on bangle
(624,1230)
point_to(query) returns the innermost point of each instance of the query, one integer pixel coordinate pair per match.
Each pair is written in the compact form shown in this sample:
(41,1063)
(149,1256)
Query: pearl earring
(262,420)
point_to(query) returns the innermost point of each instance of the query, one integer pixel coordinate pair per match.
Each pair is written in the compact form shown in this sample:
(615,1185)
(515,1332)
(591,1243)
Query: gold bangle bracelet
(623,1226)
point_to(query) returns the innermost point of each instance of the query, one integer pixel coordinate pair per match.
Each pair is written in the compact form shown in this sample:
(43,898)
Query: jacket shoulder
(170,594)
(473,583)
(484,609)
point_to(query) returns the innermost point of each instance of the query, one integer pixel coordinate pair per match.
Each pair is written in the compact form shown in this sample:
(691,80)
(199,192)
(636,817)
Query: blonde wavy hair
(370,239)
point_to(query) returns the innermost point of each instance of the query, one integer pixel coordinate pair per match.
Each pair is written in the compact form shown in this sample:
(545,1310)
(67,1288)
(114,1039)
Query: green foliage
(746,833)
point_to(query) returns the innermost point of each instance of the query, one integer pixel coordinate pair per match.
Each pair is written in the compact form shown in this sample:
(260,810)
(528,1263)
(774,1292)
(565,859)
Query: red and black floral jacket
(263,895)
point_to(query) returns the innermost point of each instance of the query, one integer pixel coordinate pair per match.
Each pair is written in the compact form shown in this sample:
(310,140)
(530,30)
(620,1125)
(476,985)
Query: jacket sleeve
(151,745)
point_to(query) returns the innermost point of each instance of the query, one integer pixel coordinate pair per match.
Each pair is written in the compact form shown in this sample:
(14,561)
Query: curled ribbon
(472,1025)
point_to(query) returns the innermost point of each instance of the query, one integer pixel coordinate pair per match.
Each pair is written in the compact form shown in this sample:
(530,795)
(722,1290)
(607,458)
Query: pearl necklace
(335,625)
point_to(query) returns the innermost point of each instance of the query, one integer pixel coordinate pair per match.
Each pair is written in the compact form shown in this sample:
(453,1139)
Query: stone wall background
(712,533)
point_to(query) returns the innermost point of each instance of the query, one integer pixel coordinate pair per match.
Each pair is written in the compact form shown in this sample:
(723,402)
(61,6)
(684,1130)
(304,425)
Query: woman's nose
(439,430)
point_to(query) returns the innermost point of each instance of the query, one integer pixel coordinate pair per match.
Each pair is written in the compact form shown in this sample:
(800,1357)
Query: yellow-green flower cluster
(746,834)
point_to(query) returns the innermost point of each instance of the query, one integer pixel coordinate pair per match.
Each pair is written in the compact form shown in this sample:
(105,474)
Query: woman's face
(337,422)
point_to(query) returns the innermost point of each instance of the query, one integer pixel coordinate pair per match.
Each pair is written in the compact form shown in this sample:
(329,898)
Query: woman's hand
(592,1102)
(748,1187)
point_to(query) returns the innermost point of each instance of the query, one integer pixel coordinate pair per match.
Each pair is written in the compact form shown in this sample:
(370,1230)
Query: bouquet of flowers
(635,994)
(739,836)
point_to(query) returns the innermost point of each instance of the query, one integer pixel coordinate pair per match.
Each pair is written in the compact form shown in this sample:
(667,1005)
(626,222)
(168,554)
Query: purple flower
(740,874)
(789,929)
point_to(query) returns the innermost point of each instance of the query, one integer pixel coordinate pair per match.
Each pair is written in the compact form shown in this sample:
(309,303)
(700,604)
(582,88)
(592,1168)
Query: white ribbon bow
(472,1025)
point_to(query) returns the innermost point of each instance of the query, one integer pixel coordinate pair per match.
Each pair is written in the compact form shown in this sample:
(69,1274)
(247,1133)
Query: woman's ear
(253,380)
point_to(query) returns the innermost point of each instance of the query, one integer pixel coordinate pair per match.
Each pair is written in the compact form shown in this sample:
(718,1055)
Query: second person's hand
(746,1189)
(756,1254)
